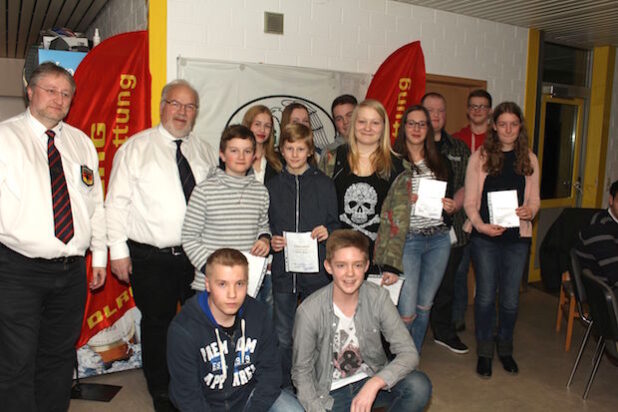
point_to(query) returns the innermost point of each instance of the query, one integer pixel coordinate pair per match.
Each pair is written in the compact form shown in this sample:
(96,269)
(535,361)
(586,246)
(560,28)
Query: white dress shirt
(259,176)
(26,212)
(145,201)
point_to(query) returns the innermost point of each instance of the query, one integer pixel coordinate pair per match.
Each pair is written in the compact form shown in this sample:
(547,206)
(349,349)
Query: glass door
(560,141)
(559,150)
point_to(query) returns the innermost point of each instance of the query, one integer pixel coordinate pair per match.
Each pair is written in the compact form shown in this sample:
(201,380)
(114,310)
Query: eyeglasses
(412,124)
(53,92)
(176,105)
(478,107)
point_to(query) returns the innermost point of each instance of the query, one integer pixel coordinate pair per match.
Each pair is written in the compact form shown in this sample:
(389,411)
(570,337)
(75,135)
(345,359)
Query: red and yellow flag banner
(112,102)
(399,83)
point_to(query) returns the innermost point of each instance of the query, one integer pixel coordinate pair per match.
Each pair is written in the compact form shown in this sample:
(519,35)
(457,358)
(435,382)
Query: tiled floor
(540,385)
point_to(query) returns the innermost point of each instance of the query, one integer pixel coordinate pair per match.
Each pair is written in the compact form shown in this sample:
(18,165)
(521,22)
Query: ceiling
(21,21)
(578,23)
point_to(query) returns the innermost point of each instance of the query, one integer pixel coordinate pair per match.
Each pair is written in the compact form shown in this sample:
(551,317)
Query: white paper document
(429,202)
(502,205)
(301,253)
(394,290)
(257,270)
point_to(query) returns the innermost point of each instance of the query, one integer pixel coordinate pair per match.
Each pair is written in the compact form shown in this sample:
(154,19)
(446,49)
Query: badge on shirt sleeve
(87,175)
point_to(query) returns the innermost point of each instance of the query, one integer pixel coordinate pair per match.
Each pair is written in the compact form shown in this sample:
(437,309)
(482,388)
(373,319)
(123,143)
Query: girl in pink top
(499,253)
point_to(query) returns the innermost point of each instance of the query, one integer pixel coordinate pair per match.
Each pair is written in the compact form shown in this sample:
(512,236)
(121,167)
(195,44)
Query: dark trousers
(41,311)
(160,280)
(499,267)
(442,310)
(285,305)
(460,294)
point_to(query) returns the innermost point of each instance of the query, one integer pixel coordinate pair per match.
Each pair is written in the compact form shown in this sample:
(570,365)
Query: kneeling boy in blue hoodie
(221,347)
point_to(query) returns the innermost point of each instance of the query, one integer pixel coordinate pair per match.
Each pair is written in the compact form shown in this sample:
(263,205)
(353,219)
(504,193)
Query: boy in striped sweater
(229,208)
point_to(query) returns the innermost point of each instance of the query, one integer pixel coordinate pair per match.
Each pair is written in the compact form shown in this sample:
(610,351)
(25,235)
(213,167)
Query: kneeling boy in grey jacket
(338,359)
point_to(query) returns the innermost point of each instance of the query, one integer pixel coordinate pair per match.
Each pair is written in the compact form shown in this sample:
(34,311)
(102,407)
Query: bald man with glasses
(152,178)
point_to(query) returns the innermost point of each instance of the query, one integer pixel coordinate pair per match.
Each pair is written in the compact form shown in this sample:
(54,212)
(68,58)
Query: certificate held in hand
(301,253)
(257,269)
(394,290)
(430,194)
(502,205)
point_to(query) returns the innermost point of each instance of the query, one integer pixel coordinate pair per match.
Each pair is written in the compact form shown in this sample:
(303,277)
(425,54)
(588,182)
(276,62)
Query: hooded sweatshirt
(213,371)
(223,211)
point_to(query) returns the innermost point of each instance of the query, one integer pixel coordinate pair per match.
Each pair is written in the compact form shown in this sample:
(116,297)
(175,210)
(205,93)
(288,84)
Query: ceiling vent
(273,23)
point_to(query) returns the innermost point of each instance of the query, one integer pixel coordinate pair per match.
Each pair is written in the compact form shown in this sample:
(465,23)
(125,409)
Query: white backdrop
(228,89)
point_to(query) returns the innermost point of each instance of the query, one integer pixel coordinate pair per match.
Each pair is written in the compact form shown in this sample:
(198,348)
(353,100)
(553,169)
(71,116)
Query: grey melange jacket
(314,327)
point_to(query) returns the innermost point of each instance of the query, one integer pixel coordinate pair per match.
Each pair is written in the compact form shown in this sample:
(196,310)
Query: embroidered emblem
(87,175)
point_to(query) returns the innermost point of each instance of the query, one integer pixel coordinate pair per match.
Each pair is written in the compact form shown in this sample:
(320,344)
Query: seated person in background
(222,350)
(229,208)
(338,360)
(598,243)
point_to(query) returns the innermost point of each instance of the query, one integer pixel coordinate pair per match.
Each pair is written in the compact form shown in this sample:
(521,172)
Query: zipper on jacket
(297,222)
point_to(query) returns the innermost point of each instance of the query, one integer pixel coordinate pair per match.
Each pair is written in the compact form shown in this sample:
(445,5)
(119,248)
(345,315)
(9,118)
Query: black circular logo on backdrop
(321,122)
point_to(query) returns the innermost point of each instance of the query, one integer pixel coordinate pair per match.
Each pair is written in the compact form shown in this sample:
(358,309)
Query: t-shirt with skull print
(360,201)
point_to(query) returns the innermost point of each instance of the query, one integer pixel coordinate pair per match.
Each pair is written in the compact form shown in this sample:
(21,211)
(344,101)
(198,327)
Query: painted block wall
(349,35)
(120,16)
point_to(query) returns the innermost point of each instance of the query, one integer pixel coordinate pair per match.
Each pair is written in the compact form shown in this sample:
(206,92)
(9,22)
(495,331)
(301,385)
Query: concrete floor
(540,385)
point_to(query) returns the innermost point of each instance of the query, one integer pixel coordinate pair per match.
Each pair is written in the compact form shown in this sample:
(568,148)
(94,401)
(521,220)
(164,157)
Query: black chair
(580,298)
(604,309)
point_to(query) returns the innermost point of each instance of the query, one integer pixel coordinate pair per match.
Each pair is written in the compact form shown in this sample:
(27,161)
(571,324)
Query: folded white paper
(394,290)
(429,202)
(502,205)
(257,270)
(301,253)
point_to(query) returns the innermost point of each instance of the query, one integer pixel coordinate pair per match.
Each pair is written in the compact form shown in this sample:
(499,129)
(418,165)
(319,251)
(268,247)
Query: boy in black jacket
(302,199)
(222,350)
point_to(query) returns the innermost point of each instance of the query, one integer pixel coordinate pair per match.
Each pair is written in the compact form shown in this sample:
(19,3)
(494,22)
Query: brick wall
(349,35)
(120,16)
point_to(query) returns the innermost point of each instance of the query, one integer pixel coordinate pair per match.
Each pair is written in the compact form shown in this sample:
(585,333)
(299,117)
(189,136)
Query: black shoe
(453,344)
(459,326)
(509,365)
(483,367)
(162,403)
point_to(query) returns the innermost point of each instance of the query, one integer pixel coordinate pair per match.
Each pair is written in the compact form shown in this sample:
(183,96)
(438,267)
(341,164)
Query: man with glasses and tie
(51,212)
(152,178)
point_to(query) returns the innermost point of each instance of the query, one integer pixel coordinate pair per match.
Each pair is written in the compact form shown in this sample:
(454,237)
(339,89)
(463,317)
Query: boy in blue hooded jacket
(222,350)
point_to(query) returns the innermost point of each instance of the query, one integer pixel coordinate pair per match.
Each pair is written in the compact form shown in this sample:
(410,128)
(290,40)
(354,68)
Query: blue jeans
(424,262)
(285,311)
(409,394)
(286,402)
(499,267)
(265,295)
(460,291)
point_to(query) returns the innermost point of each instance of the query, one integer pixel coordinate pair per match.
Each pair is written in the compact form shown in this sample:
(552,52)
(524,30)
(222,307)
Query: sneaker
(453,344)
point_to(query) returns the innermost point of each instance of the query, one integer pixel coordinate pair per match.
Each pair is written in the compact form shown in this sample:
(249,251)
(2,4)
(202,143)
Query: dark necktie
(186,176)
(63,218)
